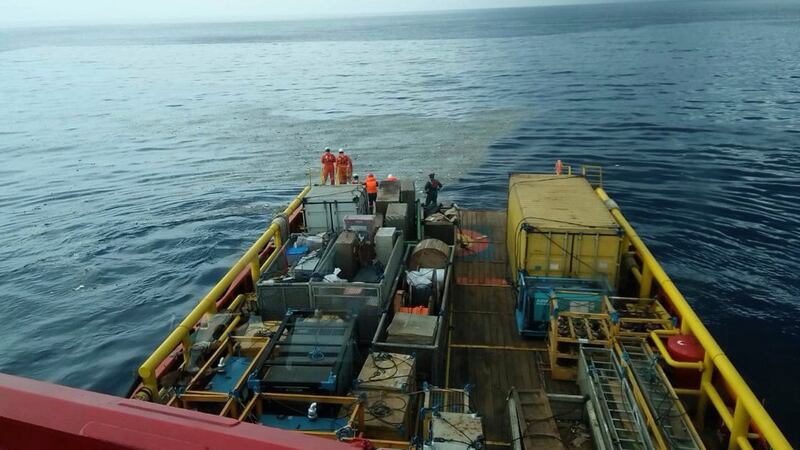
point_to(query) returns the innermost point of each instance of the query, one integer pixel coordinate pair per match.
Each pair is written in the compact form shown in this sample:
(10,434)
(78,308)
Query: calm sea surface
(137,163)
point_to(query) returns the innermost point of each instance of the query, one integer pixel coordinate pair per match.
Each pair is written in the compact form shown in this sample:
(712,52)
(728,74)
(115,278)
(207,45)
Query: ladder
(620,424)
(669,415)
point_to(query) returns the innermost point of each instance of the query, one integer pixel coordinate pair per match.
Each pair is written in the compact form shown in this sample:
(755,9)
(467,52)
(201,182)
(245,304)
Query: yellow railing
(592,173)
(747,408)
(147,371)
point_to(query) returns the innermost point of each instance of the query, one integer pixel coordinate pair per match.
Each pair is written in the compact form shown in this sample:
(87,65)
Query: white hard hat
(390,176)
(341,150)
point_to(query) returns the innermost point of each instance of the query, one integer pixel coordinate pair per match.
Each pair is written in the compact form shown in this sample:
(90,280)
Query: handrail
(748,408)
(668,358)
(147,371)
(596,178)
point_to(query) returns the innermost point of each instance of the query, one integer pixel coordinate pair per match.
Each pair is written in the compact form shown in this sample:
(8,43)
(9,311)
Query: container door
(548,254)
(595,255)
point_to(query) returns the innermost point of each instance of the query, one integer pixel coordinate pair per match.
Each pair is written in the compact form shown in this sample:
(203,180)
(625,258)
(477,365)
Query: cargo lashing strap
(283,225)
(611,204)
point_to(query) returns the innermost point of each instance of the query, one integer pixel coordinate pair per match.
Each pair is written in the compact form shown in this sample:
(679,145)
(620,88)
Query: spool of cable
(429,254)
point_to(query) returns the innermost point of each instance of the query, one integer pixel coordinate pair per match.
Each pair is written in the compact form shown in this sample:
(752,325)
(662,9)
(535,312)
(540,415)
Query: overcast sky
(54,12)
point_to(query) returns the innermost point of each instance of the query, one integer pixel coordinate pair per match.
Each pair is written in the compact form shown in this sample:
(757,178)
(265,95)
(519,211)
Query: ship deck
(484,349)
(511,379)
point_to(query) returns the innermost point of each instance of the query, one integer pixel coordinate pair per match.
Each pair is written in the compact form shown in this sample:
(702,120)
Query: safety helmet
(341,150)
(327,149)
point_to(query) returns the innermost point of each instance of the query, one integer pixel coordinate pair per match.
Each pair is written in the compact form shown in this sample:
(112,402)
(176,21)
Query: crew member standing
(372,190)
(432,188)
(344,168)
(328,165)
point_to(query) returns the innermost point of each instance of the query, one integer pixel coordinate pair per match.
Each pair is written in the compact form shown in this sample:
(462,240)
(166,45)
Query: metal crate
(368,300)
(430,358)
(276,297)
(637,317)
(620,423)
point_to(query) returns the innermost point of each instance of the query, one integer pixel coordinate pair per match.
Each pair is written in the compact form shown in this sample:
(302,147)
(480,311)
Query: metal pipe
(636,274)
(255,270)
(449,347)
(645,282)
(277,246)
(668,358)
(741,422)
(744,444)
(717,401)
(702,402)
(236,302)
(667,332)
(522,251)
(684,391)
(337,400)
(147,371)
(234,323)
(691,323)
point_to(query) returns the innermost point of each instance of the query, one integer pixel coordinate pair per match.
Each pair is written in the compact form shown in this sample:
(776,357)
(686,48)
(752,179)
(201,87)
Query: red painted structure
(38,415)
(686,348)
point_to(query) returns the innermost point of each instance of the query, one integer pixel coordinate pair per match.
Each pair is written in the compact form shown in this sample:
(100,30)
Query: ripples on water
(138,163)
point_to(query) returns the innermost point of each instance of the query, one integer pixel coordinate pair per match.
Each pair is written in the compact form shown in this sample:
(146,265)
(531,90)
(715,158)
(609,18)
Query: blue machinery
(572,294)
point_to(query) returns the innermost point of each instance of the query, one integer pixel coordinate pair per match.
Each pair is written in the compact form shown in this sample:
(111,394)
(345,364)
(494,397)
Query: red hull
(37,415)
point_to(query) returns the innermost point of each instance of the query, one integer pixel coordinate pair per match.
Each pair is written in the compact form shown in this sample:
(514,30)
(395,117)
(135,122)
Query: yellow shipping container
(557,226)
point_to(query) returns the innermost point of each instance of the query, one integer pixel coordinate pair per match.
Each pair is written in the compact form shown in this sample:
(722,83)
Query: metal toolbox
(388,192)
(344,254)
(384,242)
(397,217)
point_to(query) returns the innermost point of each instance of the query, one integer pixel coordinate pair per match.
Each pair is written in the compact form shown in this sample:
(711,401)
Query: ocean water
(137,163)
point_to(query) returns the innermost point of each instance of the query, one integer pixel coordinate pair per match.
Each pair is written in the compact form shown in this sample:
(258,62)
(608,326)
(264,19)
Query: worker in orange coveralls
(372,189)
(328,165)
(344,168)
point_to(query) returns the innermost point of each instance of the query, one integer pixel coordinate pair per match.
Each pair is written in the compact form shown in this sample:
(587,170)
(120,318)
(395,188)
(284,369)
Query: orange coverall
(372,189)
(328,164)
(344,166)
